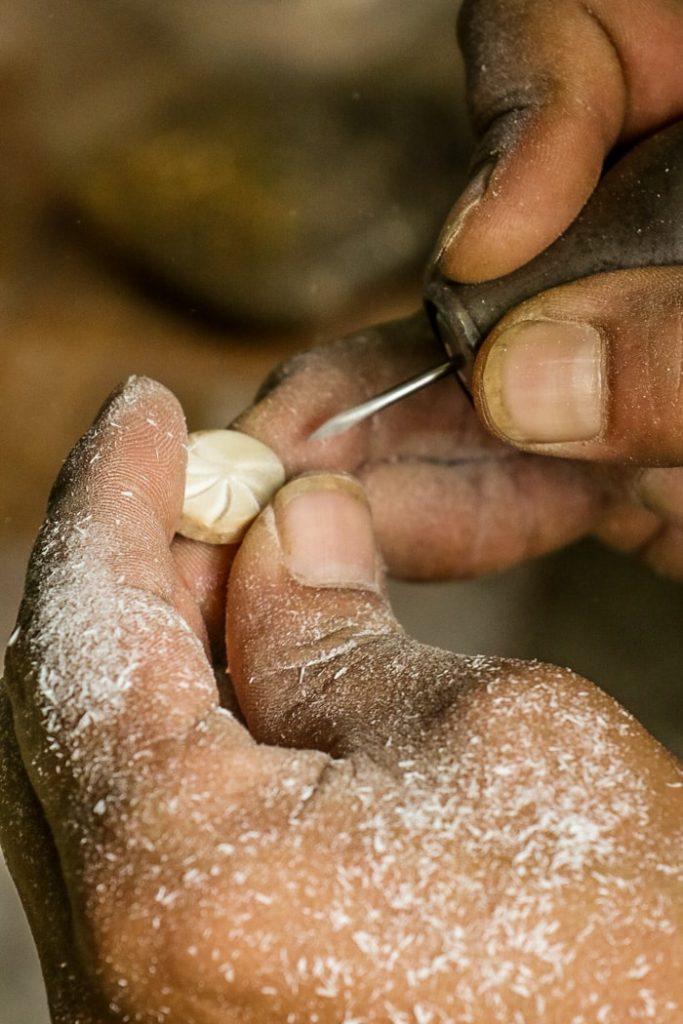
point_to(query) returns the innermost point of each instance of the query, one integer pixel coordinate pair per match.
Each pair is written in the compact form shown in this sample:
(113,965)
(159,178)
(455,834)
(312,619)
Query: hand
(553,87)
(448,499)
(590,370)
(396,834)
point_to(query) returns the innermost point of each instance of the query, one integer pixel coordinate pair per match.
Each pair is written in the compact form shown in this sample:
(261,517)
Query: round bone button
(230,478)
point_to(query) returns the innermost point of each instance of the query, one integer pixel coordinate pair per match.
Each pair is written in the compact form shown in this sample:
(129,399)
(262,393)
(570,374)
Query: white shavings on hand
(89,645)
(480,864)
(440,895)
(14,636)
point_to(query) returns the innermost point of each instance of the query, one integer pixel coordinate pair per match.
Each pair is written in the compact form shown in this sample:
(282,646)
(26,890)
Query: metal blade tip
(330,428)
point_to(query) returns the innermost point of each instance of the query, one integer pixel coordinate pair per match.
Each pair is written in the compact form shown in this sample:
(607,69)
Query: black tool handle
(633,219)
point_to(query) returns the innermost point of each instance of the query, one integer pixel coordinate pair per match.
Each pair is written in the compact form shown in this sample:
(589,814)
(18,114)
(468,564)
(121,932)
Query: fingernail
(464,206)
(325,531)
(542,382)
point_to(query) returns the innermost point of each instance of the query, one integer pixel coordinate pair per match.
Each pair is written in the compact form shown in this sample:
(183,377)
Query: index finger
(552,85)
(103,665)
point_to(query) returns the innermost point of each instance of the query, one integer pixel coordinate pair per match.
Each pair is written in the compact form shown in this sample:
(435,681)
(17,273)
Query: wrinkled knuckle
(326,693)
(497,80)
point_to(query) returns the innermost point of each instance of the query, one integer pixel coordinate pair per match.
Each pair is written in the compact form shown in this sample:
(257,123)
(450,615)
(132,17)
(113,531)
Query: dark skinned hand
(383,833)
(590,371)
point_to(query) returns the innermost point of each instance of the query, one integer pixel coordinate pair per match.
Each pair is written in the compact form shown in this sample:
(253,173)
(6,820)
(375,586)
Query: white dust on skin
(91,631)
(498,870)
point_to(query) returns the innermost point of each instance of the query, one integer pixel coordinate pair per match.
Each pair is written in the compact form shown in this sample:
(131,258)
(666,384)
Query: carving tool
(634,218)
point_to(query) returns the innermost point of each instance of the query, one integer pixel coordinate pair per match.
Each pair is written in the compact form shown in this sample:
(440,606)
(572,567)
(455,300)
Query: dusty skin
(450,500)
(455,839)
(553,87)
(397,834)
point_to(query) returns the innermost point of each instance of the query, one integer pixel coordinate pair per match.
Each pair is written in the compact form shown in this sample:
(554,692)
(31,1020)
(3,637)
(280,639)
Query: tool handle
(634,218)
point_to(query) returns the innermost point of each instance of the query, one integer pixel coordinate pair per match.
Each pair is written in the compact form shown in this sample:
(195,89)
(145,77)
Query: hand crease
(430,460)
(355,641)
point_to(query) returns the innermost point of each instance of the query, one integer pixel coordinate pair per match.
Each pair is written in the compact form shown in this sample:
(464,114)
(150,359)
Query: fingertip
(145,405)
(548,96)
(525,197)
(317,534)
(125,477)
(296,402)
(137,407)
(138,403)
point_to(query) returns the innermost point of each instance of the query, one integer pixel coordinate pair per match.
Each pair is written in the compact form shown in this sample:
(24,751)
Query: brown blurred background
(195,191)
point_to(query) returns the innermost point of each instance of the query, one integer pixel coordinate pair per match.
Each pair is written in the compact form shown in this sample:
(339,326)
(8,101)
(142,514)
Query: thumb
(591,370)
(310,632)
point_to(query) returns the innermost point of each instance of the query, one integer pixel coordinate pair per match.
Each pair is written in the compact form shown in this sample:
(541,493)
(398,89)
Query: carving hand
(590,371)
(448,499)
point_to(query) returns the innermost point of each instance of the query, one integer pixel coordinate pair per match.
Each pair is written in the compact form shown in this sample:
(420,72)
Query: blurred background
(197,191)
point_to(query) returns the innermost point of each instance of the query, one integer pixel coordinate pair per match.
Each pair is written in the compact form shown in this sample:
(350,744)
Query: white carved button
(230,478)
